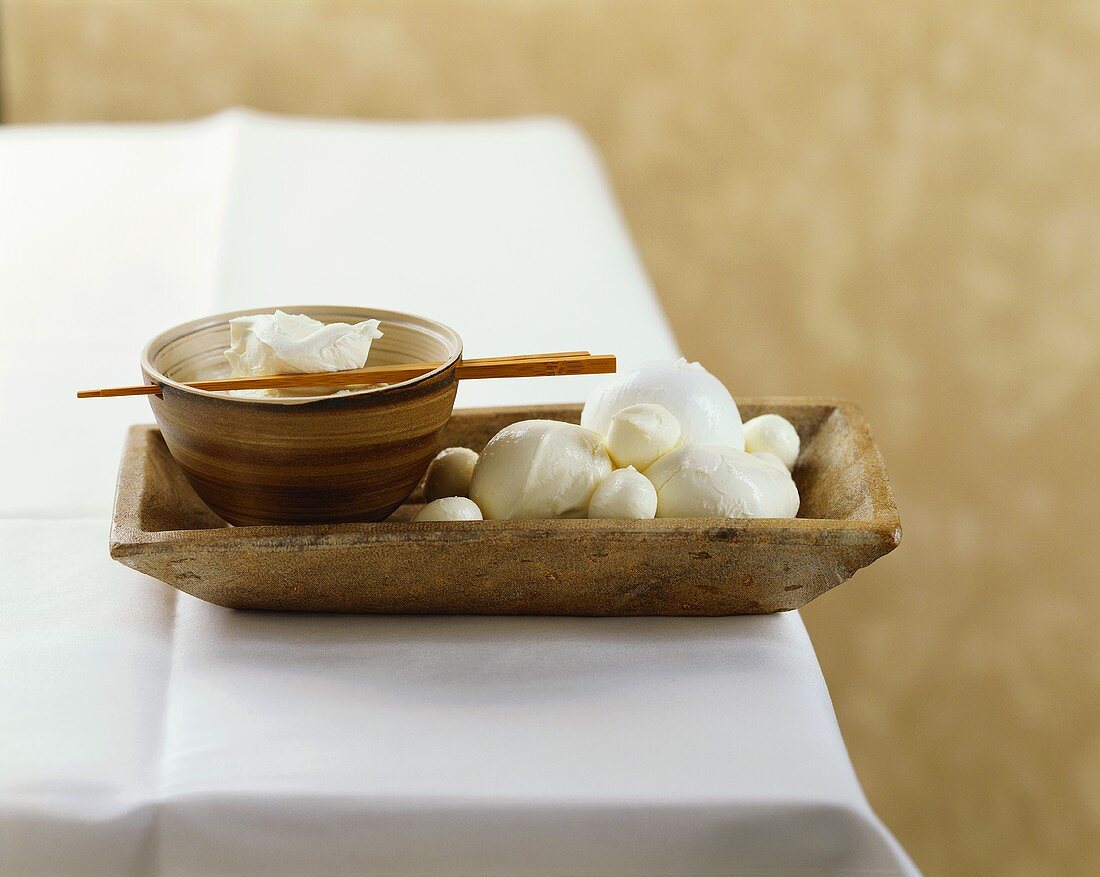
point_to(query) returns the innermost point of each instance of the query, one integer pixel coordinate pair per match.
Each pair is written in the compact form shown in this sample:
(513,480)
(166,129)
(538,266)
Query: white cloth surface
(144,732)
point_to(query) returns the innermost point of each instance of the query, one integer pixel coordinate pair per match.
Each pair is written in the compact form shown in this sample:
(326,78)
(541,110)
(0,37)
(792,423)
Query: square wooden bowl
(669,566)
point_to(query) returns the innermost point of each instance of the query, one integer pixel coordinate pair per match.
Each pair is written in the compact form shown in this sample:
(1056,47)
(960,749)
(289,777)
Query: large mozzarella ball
(450,508)
(625,494)
(775,435)
(700,403)
(449,473)
(539,469)
(639,434)
(711,481)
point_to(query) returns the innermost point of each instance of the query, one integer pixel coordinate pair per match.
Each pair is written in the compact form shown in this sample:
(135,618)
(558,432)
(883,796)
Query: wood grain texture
(354,457)
(546,567)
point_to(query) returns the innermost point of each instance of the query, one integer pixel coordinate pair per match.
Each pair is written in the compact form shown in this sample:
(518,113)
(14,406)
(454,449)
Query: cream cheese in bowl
(282,343)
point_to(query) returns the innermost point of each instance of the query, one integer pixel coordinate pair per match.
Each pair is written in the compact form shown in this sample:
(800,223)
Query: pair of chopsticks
(574,362)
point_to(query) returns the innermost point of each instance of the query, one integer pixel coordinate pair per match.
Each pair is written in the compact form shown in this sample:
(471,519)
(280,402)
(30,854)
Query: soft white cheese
(281,343)
(450,508)
(769,458)
(773,434)
(639,434)
(449,473)
(539,469)
(711,481)
(625,494)
(698,401)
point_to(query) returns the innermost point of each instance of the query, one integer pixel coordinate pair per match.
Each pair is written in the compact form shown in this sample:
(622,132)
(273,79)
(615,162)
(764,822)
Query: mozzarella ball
(769,458)
(450,508)
(449,473)
(639,434)
(711,481)
(700,403)
(625,494)
(774,435)
(539,469)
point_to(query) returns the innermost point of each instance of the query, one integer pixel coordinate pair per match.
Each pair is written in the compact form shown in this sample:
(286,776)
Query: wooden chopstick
(575,362)
(348,378)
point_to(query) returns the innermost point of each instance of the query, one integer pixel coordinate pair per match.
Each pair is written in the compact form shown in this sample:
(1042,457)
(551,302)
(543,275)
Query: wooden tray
(665,567)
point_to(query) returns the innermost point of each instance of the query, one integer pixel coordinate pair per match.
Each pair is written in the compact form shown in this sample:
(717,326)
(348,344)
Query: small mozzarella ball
(711,481)
(700,403)
(625,494)
(770,458)
(775,435)
(450,508)
(539,469)
(639,434)
(449,473)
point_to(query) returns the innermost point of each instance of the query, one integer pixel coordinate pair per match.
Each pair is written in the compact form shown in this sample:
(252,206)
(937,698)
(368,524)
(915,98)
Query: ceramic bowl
(297,460)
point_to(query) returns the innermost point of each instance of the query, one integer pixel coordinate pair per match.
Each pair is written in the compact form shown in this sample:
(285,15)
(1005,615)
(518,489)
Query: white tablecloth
(144,732)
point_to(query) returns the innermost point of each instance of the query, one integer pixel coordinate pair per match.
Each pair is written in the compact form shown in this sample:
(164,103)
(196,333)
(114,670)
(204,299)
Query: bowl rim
(159,341)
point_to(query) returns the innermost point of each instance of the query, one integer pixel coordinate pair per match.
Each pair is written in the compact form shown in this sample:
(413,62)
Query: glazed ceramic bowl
(297,460)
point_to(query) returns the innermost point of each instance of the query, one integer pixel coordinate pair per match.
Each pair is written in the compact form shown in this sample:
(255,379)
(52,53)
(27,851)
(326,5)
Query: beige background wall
(899,203)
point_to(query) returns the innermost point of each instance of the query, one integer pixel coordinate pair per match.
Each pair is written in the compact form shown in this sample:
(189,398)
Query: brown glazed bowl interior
(315,459)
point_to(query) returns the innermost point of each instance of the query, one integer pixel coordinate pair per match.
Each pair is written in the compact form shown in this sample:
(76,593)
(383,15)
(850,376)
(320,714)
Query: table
(145,732)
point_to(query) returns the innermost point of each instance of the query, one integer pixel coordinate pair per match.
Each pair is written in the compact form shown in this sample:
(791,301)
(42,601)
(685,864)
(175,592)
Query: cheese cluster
(665,440)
